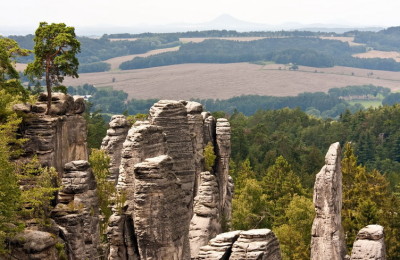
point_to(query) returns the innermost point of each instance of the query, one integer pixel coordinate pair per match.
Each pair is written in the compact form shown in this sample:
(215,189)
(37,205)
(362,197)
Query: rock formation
(77,212)
(113,142)
(369,244)
(160,213)
(205,223)
(327,232)
(179,130)
(169,205)
(34,245)
(57,138)
(255,244)
(143,141)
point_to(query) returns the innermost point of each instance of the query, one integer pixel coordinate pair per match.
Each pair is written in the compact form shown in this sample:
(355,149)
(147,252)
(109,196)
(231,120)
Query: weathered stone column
(253,244)
(327,232)
(77,212)
(143,141)
(369,244)
(57,138)
(113,141)
(223,140)
(159,216)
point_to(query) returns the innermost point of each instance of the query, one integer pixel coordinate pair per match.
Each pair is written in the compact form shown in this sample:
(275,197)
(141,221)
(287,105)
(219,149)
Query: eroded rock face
(143,141)
(158,192)
(223,141)
(180,131)
(205,223)
(77,212)
(327,232)
(369,244)
(113,142)
(172,117)
(220,247)
(34,245)
(57,138)
(255,244)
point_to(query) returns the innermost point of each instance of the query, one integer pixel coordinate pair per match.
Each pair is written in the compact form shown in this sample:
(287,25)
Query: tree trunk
(48,86)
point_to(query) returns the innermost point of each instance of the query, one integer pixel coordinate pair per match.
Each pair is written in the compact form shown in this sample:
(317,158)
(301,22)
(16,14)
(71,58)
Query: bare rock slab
(327,232)
(369,244)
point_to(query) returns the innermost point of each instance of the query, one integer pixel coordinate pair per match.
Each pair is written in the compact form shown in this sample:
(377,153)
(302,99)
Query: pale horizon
(26,14)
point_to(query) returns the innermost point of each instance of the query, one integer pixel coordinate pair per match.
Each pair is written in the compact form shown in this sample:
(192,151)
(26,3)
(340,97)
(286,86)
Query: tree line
(93,51)
(277,153)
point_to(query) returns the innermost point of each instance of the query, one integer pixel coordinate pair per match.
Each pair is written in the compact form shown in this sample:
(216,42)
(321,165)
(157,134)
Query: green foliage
(393,98)
(249,206)
(9,189)
(60,247)
(300,50)
(368,200)
(106,191)
(39,188)
(138,117)
(262,204)
(294,235)
(9,77)
(209,156)
(280,184)
(97,127)
(55,51)
(94,67)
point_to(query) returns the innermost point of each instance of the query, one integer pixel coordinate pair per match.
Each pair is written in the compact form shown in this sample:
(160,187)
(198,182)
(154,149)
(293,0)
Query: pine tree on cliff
(55,51)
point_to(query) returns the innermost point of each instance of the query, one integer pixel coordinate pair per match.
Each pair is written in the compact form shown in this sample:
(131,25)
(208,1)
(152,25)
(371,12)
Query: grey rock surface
(143,141)
(77,212)
(57,138)
(220,247)
(223,141)
(113,141)
(205,223)
(34,245)
(255,244)
(327,232)
(160,213)
(369,244)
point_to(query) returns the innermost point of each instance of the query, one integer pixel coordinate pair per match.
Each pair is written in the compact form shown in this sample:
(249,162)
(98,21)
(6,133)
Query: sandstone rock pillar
(160,215)
(113,141)
(223,140)
(327,232)
(77,212)
(369,244)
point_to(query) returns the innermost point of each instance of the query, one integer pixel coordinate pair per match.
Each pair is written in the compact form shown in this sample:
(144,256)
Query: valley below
(224,81)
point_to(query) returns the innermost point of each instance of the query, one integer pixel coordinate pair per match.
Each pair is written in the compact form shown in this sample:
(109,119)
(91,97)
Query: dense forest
(319,104)
(298,47)
(276,154)
(93,51)
(384,40)
(306,51)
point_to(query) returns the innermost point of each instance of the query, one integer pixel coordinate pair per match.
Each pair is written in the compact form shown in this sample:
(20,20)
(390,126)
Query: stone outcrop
(369,244)
(143,141)
(223,148)
(327,232)
(255,244)
(178,130)
(172,117)
(205,223)
(113,142)
(160,213)
(34,245)
(220,247)
(77,212)
(57,138)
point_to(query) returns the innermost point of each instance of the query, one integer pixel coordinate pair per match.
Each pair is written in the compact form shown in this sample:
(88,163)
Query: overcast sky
(83,13)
